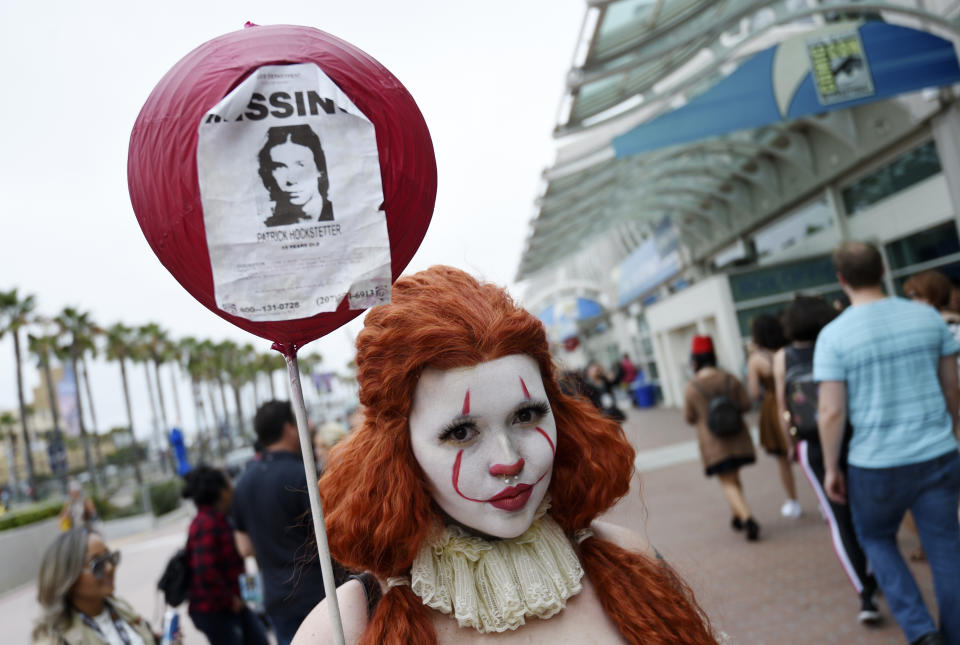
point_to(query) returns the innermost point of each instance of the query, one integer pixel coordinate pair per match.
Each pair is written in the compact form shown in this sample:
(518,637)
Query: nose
(501,470)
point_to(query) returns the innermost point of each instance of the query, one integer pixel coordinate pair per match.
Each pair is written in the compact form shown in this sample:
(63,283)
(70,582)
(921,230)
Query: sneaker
(869,615)
(753,529)
(792,509)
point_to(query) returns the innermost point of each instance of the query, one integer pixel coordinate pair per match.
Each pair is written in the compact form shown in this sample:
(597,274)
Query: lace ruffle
(493,586)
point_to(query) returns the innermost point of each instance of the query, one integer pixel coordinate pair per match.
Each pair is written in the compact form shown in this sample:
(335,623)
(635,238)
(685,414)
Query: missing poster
(290,185)
(839,67)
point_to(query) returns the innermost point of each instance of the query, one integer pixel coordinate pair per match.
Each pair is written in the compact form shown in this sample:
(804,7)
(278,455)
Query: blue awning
(835,67)
(562,317)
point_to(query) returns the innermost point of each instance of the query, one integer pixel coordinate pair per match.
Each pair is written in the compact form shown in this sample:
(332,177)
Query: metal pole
(306,448)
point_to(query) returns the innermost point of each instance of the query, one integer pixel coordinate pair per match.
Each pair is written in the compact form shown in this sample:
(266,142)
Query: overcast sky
(487,76)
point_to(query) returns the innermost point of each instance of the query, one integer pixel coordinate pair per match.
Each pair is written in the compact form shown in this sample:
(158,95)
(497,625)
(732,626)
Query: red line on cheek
(455,478)
(547,437)
(466,404)
(526,392)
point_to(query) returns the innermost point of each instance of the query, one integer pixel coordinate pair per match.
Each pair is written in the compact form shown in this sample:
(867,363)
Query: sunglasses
(98,565)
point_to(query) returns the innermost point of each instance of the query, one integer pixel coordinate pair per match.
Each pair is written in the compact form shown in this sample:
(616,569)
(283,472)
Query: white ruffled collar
(494,585)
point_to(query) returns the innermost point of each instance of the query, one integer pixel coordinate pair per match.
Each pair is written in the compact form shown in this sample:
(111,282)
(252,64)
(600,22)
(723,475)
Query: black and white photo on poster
(290,184)
(294,172)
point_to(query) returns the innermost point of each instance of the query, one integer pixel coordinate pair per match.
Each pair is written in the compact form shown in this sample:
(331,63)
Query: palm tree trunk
(93,411)
(256,391)
(216,417)
(158,440)
(84,437)
(135,450)
(273,390)
(178,421)
(163,415)
(226,415)
(204,436)
(10,438)
(241,430)
(160,400)
(27,453)
(55,411)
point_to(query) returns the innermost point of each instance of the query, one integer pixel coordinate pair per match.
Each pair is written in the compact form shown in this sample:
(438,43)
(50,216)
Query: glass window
(901,173)
(793,228)
(924,246)
(623,13)
(745,316)
(782,278)
(652,373)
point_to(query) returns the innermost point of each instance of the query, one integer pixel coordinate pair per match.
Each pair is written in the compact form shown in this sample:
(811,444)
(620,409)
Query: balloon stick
(306,448)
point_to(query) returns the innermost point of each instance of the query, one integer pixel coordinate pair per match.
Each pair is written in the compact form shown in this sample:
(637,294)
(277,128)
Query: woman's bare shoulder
(623,537)
(316,628)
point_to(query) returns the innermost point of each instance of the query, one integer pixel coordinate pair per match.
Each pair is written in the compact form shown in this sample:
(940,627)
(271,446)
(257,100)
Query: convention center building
(712,153)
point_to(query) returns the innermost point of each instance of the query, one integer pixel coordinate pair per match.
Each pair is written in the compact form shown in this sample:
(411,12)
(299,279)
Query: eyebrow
(466,404)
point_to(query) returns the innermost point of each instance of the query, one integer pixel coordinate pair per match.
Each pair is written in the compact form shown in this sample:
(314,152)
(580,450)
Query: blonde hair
(62,564)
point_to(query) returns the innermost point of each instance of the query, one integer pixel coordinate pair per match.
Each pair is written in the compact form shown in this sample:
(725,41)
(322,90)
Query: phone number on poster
(281,306)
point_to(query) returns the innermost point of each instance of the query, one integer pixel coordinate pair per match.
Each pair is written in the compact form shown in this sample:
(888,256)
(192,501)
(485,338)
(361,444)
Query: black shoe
(736,523)
(933,638)
(753,529)
(869,615)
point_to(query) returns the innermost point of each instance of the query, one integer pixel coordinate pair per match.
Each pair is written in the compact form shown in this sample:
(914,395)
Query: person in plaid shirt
(216,607)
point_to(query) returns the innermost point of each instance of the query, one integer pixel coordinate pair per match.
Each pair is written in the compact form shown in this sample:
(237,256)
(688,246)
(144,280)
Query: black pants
(845,543)
(229,628)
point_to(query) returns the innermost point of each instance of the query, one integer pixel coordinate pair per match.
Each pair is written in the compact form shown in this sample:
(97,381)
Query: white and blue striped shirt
(887,352)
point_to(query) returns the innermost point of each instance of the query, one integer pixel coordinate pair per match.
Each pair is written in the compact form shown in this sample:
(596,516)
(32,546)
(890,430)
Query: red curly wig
(375,498)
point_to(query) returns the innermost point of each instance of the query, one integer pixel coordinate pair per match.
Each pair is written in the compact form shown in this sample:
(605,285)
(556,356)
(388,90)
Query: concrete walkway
(786,589)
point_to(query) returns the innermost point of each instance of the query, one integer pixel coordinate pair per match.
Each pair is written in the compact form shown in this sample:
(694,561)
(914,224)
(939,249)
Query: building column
(946,136)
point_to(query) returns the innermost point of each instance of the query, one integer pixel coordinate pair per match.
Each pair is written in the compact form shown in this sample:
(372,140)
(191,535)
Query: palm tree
(235,363)
(7,422)
(139,354)
(155,342)
(94,331)
(15,313)
(119,348)
(268,363)
(218,365)
(43,348)
(192,359)
(77,324)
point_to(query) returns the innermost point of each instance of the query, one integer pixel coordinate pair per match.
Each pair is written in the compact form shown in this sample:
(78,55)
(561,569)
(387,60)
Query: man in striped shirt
(890,364)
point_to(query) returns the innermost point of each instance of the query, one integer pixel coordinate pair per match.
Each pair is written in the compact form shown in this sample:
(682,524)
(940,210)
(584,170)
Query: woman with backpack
(797,398)
(216,607)
(767,334)
(714,401)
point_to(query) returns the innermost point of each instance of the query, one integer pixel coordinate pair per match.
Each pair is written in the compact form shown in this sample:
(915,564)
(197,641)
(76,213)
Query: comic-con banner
(290,185)
(839,67)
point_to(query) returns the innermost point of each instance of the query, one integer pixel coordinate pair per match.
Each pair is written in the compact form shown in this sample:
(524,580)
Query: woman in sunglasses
(76,593)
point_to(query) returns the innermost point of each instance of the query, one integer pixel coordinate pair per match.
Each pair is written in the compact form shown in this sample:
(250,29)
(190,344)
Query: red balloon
(162,163)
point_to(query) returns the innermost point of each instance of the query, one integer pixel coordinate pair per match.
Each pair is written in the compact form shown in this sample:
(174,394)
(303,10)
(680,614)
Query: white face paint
(485,439)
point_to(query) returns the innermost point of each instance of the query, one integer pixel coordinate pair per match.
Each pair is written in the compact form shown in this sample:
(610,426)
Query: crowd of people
(465,499)
(866,402)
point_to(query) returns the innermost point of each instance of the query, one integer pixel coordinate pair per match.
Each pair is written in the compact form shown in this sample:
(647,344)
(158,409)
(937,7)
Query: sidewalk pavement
(786,589)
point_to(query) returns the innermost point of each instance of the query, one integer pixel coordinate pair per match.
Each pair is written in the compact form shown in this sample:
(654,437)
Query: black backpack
(175,581)
(723,415)
(802,396)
